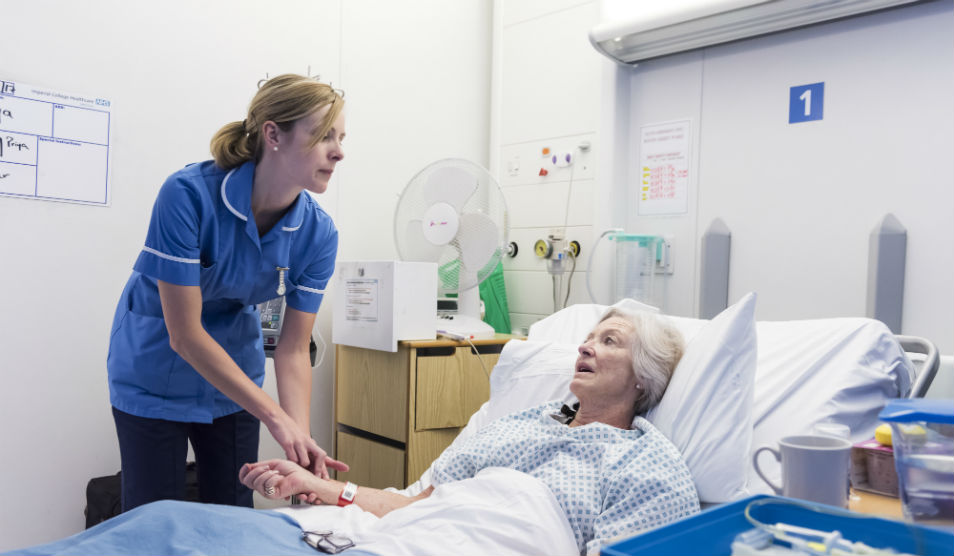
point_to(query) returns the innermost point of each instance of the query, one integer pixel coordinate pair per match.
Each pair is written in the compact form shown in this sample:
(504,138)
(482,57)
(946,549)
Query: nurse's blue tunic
(202,233)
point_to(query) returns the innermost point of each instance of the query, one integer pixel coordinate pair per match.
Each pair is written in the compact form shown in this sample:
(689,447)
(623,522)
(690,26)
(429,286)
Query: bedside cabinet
(396,412)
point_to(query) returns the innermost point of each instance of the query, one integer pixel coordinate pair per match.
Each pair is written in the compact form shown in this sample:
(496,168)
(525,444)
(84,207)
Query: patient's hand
(276,479)
(283,478)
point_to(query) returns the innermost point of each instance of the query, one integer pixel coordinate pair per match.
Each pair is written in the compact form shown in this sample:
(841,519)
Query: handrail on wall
(887,251)
(714,269)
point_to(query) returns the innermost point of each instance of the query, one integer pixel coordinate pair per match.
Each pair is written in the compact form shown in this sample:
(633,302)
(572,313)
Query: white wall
(175,72)
(546,93)
(802,199)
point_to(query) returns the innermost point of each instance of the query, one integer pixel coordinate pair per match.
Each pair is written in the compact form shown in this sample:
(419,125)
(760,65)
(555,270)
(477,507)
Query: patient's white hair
(657,348)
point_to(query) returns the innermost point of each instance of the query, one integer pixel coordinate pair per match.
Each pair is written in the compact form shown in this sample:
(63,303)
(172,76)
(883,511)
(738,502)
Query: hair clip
(340,92)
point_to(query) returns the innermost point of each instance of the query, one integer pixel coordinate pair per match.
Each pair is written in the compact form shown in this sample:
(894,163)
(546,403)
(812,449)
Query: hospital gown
(609,481)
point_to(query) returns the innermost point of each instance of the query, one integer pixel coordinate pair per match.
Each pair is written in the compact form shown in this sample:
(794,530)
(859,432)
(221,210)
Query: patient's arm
(290,479)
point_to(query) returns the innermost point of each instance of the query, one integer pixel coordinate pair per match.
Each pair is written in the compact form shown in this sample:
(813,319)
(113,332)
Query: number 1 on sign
(806,103)
(806,97)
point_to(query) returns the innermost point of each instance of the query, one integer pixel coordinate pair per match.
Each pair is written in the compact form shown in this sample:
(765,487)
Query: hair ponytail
(230,146)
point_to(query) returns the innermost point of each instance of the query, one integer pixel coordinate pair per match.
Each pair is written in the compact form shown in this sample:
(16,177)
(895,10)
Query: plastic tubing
(589,264)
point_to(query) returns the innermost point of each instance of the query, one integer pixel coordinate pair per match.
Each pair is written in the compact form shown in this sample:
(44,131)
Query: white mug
(814,467)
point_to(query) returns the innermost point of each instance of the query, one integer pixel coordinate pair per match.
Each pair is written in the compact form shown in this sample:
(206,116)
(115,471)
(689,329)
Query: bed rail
(924,370)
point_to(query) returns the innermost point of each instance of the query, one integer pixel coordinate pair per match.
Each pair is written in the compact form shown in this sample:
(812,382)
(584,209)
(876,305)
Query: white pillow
(530,373)
(571,325)
(706,411)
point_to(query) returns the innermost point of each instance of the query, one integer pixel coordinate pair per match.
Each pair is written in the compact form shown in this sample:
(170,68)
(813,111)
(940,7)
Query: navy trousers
(153,454)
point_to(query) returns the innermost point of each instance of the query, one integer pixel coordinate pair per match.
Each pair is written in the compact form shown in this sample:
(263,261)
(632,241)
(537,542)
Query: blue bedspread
(173,527)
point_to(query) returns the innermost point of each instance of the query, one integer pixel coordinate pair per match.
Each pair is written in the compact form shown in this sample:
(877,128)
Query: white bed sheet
(837,370)
(499,511)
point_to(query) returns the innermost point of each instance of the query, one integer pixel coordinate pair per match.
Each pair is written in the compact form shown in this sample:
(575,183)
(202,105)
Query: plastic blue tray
(712,531)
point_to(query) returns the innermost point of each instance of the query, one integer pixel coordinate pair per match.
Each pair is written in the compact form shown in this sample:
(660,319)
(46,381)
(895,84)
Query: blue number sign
(806,103)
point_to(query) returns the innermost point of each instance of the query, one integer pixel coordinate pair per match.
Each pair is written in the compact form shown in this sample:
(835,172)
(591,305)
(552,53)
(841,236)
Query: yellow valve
(542,248)
(574,249)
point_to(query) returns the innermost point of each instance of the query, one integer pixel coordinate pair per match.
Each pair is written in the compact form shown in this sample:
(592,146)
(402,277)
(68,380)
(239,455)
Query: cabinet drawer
(450,388)
(372,464)
(424,447)
(372,390)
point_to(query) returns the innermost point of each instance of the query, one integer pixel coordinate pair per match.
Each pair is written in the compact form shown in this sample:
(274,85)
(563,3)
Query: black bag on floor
(102,499)
(104,496)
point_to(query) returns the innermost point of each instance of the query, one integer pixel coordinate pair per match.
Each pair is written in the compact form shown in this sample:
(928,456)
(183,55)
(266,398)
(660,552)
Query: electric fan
(453,213)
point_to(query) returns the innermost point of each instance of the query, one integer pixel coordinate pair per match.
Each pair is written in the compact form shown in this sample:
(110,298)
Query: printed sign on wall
(54,145)
(664,168)
(806,103)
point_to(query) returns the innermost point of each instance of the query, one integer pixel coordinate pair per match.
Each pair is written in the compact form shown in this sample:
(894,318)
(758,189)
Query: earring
(275,148)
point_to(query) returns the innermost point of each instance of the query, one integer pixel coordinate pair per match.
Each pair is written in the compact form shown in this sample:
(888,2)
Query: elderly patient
(610,470)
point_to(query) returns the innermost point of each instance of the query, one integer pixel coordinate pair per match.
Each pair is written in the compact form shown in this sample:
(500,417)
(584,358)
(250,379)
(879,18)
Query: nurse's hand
(302,449)
(320,461)
(328,462)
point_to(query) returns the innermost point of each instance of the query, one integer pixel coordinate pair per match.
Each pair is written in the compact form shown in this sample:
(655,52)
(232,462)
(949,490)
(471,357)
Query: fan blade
(477,239)
(418,247)
(450,184)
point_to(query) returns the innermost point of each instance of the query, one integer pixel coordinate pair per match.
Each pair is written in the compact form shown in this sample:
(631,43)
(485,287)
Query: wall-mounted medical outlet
(664,258)
(548,161)
(574,248)
(550,248)
(562,160)
(513,166)
(556,246)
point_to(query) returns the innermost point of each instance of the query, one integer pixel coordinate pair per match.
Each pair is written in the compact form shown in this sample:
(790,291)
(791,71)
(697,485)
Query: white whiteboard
(54,145)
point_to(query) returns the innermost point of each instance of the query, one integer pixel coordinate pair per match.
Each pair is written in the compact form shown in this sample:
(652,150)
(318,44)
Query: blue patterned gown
(609,481)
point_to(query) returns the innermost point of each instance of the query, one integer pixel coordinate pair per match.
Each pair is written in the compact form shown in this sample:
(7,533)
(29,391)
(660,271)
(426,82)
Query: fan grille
(478,246)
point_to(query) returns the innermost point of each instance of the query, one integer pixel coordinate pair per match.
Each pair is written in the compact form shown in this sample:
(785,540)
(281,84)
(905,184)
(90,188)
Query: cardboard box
(872,468)
(379,303)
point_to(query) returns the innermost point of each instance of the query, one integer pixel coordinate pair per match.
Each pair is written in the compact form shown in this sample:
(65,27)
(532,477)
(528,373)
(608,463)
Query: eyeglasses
(326,541)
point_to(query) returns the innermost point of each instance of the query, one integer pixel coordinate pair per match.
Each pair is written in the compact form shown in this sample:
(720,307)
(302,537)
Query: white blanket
(499,511)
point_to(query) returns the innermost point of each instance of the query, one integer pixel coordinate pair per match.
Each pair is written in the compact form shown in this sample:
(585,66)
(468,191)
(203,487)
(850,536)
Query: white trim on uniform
(311,290)
(226,199)
(287,229)
(169,257)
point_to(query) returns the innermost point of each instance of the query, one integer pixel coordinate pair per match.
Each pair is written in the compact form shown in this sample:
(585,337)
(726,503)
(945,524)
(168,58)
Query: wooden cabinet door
(372,463)
(372,390)
(450,388)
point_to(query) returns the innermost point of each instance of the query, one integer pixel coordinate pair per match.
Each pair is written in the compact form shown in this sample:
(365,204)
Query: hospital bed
(741,384)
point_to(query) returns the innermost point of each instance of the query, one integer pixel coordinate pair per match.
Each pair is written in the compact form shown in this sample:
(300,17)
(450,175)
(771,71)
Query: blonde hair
(657,348)
(283,99)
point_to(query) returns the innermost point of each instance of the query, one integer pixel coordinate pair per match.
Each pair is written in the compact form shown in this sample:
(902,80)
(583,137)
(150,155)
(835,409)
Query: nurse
(186,360)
